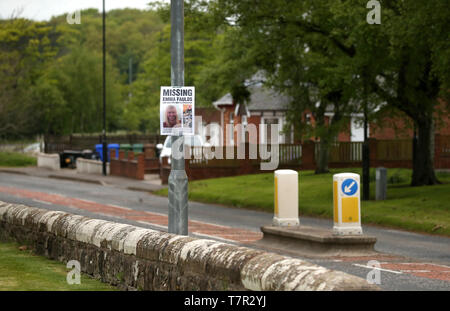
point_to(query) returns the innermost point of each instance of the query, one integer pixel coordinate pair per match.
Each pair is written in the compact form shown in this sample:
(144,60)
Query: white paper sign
(177,110)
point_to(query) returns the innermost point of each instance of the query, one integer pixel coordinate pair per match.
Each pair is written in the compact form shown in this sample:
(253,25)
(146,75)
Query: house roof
(261,98)
(209,114)
(226,100)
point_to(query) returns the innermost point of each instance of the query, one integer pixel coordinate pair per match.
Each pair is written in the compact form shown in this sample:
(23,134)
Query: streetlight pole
(178,182)
(366,148)
(104,151)
(366,159)
(130,76)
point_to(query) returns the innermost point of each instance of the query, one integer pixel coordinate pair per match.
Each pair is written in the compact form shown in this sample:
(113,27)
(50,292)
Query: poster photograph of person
(187,116)
(177,110)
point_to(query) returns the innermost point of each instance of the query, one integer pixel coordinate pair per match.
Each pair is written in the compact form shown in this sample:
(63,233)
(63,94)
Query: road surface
(409,261)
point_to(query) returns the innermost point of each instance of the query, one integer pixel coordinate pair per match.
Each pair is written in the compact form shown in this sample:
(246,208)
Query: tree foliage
(25,49)
(328,48)
(201,49)
(55,70)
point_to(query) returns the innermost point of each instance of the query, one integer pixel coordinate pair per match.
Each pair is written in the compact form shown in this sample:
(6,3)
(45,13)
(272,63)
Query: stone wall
(137,258)
(50,161)
(91,166)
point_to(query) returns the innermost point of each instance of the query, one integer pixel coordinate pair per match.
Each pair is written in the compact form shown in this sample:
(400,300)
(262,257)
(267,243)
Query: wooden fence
(201,164)
(444,146)
(442,152)
(288,154)
(344,152)
(56,144)
(247,159)
(394,150)
(386,150)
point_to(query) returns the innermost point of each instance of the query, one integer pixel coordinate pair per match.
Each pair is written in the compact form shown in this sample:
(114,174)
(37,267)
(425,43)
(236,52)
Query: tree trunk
(322,156)
(423,169)
(327,132)
(322,163)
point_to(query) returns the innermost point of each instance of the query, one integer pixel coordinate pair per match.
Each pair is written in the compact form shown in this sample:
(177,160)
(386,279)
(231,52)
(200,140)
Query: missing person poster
(177,110)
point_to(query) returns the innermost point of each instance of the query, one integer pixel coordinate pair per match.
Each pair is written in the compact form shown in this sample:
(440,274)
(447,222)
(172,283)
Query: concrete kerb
(13,171)
(206,259)
(314,242)
(122,182)
(75,178)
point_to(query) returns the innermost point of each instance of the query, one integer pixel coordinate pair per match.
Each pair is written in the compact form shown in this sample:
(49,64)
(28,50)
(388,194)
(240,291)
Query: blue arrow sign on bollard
(349,186)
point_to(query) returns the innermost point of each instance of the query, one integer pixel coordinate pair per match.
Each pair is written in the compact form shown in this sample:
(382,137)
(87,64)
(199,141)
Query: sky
(41,10)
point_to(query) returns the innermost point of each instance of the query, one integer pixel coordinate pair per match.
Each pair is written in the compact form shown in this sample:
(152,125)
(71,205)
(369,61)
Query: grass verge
(24,271)
(421,209)
(15,159)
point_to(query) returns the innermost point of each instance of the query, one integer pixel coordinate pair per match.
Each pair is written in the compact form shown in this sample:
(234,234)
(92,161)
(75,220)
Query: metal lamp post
(178,182)
(104,145)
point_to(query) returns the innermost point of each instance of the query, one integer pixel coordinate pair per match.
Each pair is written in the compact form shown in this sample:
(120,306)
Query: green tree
(130,35)
(296,62)
(142,112)
(51,109)
(399,62)
(419,47)
(25,50)
(228,69)
(78,80)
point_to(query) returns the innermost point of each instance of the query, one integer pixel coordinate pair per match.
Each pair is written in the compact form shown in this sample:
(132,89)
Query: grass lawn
(24,271)
(15,159)
(422,209)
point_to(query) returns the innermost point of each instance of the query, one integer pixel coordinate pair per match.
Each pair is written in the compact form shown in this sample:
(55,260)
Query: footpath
(151,182)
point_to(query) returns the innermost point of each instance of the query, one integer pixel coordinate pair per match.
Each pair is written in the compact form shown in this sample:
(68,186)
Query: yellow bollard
(286,198)
(346,204)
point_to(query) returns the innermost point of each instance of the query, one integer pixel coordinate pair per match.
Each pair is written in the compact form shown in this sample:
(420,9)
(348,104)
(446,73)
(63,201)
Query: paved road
(415,261)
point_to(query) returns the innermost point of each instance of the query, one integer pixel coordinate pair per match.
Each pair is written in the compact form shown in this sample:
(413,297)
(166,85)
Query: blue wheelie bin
(99,150)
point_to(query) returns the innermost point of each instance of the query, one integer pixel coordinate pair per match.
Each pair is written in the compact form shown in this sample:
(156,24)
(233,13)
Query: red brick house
(390,143)
(264,107)
(269,107)
(390,127)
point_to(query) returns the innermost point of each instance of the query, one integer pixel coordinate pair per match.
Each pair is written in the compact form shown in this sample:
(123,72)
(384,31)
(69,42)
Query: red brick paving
(425,270)
(400,264)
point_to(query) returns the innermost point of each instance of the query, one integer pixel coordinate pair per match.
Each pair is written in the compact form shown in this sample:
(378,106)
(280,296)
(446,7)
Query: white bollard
(286,198)
(346,204)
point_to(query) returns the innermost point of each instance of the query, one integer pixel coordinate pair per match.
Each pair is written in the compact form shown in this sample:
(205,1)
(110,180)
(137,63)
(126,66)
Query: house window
(266,134)
(357,129)
(231,128)
(244,120)
(244,134)
(308,118)
(289,135)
